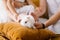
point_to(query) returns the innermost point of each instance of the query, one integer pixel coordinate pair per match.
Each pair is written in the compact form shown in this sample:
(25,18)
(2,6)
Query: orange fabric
(36,2)
(15,31)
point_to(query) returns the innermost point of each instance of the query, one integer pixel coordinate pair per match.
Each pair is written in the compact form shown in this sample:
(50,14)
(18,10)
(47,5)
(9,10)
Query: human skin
(52,20)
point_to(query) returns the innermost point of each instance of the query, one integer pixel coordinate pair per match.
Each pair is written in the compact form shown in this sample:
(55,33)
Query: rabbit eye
(26,22)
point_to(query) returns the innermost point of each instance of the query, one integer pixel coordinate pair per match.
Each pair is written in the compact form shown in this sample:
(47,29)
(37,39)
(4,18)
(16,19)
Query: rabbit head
(26,20)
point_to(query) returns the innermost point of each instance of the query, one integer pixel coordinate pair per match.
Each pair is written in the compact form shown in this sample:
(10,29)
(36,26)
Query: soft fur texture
(1,38)
(26,20)
(14,31)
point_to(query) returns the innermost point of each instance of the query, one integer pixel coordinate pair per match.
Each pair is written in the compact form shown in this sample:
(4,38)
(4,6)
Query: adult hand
(39,12)
(38,25)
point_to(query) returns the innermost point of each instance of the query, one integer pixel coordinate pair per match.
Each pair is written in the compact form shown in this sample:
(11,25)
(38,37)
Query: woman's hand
(38,25)
(39,12)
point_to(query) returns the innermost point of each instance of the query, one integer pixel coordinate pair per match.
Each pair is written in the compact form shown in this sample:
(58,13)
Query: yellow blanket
(36,2)
(14,31)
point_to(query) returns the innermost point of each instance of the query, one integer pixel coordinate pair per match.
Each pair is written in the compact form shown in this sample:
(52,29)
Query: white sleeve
(52,5)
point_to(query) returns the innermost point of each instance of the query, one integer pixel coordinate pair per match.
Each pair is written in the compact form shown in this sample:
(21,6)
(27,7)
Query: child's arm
(39,11)
(18,4)
(8,11)
(5,5)
(49,22)
(11,7)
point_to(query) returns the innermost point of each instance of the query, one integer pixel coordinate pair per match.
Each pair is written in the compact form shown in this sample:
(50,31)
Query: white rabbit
(26,20)
(25,17)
